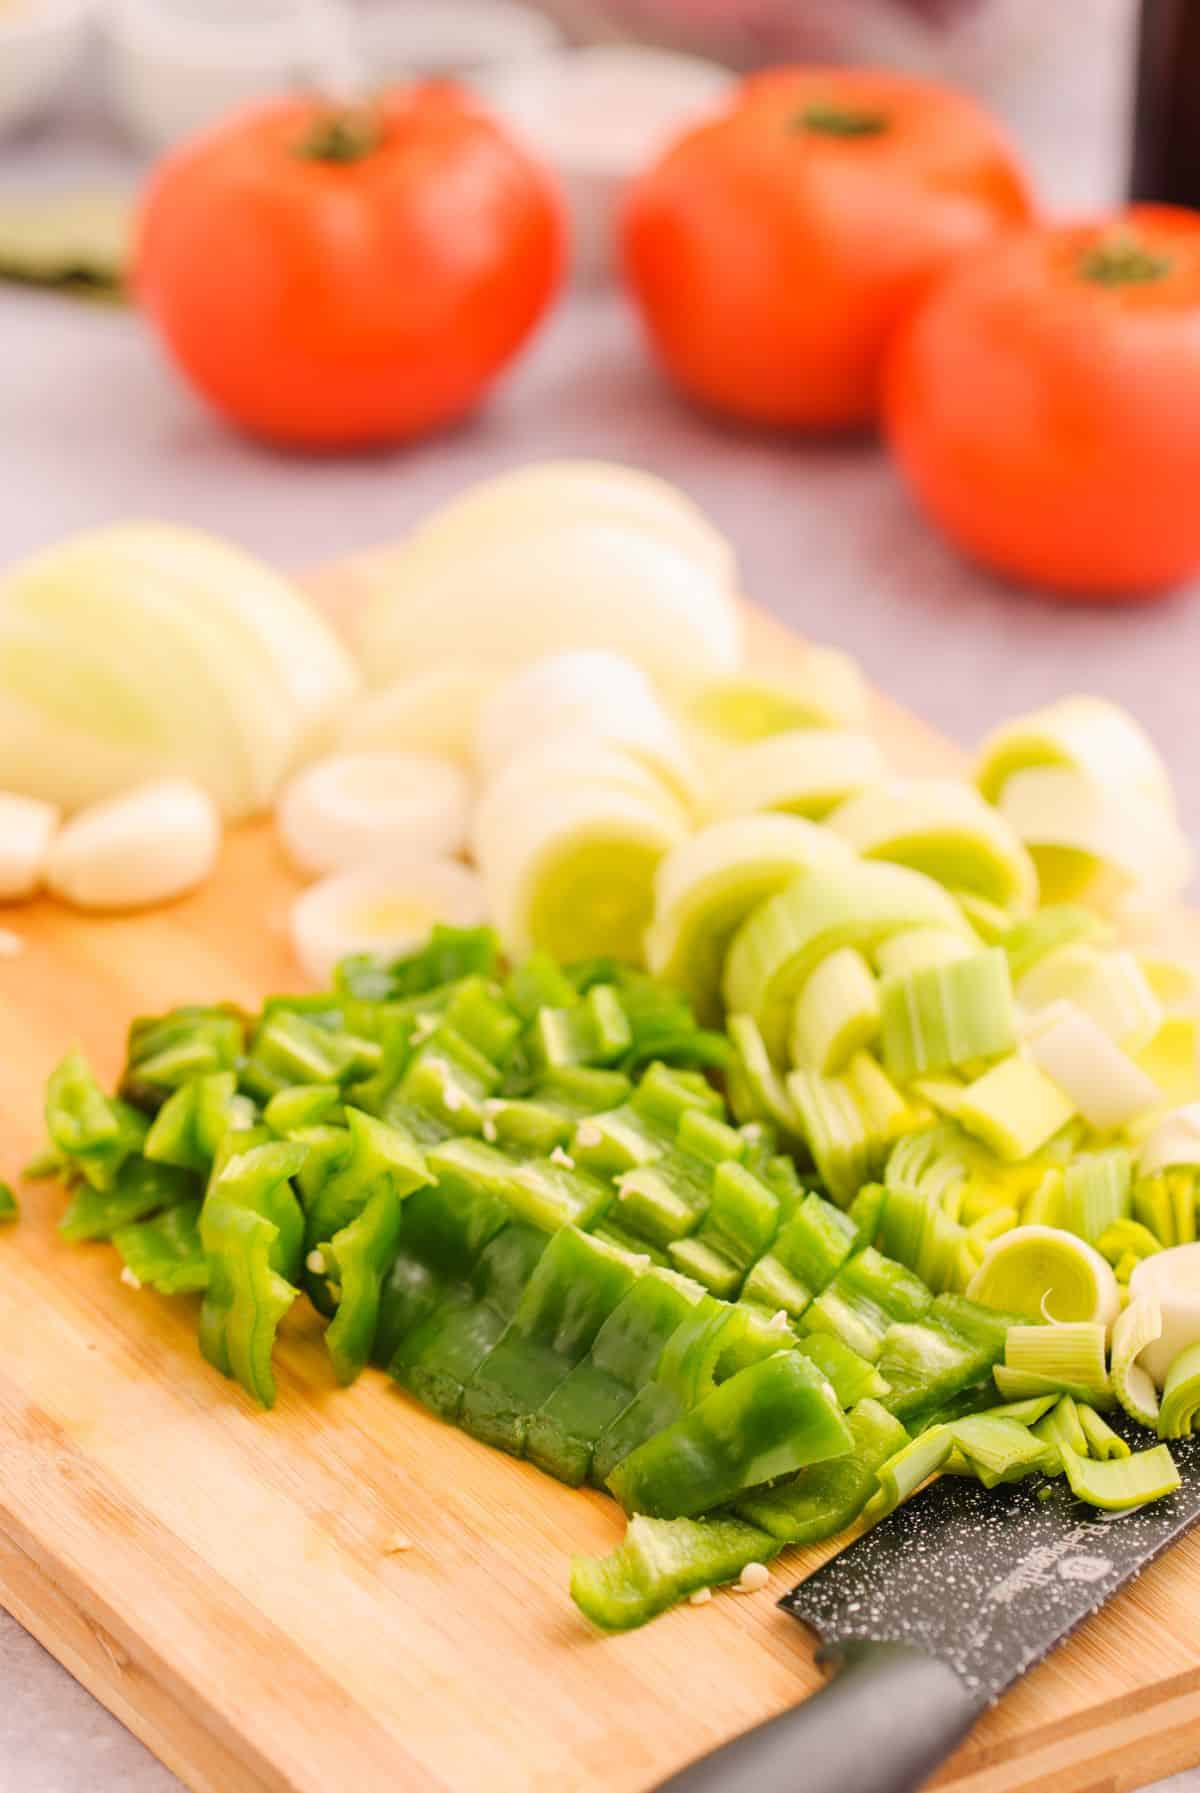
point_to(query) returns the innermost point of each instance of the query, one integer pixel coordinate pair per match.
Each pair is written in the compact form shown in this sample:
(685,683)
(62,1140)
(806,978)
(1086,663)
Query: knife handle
(882,1725)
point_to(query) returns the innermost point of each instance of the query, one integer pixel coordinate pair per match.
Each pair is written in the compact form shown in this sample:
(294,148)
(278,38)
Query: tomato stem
(1123,261)
(840,121)
(343,134)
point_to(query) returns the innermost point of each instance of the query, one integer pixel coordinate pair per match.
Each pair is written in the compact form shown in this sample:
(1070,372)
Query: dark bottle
(1166,126)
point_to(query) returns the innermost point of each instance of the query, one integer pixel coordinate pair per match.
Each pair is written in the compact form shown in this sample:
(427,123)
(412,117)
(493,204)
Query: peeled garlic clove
(27,827)
(145,847)
(357,807)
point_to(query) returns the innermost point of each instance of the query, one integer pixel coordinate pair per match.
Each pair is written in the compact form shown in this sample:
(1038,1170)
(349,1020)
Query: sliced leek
(354,807)
(835,1131)
(944,829)
(807,772)
(707,885)
(1102,1442)
(1181,1395)
(1103,1083)
(776,948)
(1088,844)
(824,690)
(537,780)
(1110,987)
(384,909)
(917,947)
(1096,1192)
(1175,1141)
(1137,1327)
(836,1013)
(1044,1273)
(942,1016)
(1014,1108)
(1124,1482)
(1070,1353)
(1086,734)
(429,712)
(1172,1278)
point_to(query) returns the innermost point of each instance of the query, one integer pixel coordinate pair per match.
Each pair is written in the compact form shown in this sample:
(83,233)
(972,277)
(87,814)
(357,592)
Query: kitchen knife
(932,1614)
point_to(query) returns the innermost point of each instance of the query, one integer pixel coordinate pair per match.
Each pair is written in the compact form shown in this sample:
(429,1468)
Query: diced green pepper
(866,1296)
(166,1253)
(450,954)
(9,1207)
(166,1051)
(662,1561)
(824,1498)
(193,1120)
(93,1133)
(246,1296)
(138,1189)
(359,1256)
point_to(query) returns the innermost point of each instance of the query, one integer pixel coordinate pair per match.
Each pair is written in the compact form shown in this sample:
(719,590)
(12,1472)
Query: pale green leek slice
(992,923)
(806,772)
(1014,1108)
(1172,1059)
(1027,1412)
(1138,1325)
(1181,1395)
(1097,1192)
(1172,1277)
(1091,845)
(945,829)
(917,947)
(1103,1443)
(836,1013)
(908,1470)
(776,948)
(1044,1273)
(881,1104)
(1022,1385)
(826,690)
(1122,1482)
(1058,925)
(1063,1425)
(1070,1353)
(1175,1141)
(835,1131)
(943,1016)
(1086,734)
(1110,987)
(708,884)
(1002,1450)
(1102,1083)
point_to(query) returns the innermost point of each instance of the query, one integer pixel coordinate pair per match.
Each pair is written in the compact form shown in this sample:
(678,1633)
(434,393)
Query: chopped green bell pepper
(662,1561)
(166,1253)
(824,1498)
(359,1257)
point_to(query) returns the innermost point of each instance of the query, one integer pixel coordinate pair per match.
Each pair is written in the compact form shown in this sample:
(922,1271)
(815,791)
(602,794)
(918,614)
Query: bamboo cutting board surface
(221,1578)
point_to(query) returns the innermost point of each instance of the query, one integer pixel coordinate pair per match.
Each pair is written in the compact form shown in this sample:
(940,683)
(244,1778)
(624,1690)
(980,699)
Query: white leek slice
(595,693)
(1172,1278)
(859,904)
(1087,734)
(1111,987)
(1181,1395)
(706,886)
(1134,1331)
(836,1013)
(1014,1108)
(554,557)
(540,778)
(1091,842)
(385,909)
(942,1016)
(1103,1083)
(807,772)
(1174,1141)
(27,827)
(823,690)
(144,651)
(576,878)
(1174,983)
(435,711)
(355,807)
(917,947)
(1172,1059)
(150,845)
(1044,1273)
(944,829)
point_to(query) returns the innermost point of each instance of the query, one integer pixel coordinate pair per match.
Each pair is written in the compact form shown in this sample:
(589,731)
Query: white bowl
(176,66)
(599,116)
(449,37)
(39,40)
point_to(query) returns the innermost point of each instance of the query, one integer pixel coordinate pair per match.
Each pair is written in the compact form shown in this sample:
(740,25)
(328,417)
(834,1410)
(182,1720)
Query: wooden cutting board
(221,1578)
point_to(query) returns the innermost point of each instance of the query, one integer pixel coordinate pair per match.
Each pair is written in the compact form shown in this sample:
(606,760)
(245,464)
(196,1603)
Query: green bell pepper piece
(853,1378)
(662,1561)
(593,1030)
(449,954)
(339,1177)
(93,1134)
(539,983)
(449,1078)
(305,1105)
(944,1356)
(767,1421)
(166,1253)
(259,1178)
(806,1255)
(625,1353)
(443,1230)
(822,1500)
(546,1193)
(246,1298)
(578,1282)
(665,1094)
(359,1256)
(163,1052)
(138,1189)
(9,1207)
(194,1119)
(866,1296)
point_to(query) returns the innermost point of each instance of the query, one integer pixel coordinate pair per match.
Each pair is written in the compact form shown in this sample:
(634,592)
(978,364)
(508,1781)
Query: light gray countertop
(92,427)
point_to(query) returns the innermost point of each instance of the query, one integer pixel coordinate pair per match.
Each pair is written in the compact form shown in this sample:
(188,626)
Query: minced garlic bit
(701,1597)
(315,1261)
(129,1279)
(588,1134)
(753,1579)
(396,1543)
(558,1156)
(452,1097)
(489,1131)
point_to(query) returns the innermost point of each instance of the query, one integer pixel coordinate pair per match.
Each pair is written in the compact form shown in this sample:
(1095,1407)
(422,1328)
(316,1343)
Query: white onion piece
(1103,1082)
(805,772)
(386,909)
(435,711)
(1175,1141)
(1137,842)
(356,807)
(557,557)
(1172,1278)
(150,845)
(26,829)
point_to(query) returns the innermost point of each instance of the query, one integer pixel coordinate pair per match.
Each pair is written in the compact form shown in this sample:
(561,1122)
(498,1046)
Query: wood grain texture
(221,1579)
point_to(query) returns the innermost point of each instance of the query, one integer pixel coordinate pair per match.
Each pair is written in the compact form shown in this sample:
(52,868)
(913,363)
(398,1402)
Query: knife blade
(932,1614)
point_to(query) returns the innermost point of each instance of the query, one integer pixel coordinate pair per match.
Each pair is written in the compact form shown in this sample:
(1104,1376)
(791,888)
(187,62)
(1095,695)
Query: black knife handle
(882,1725)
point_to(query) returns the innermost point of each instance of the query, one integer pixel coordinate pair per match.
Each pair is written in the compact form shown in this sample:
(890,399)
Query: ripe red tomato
(330,278)
(775,247)
(1044,406)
